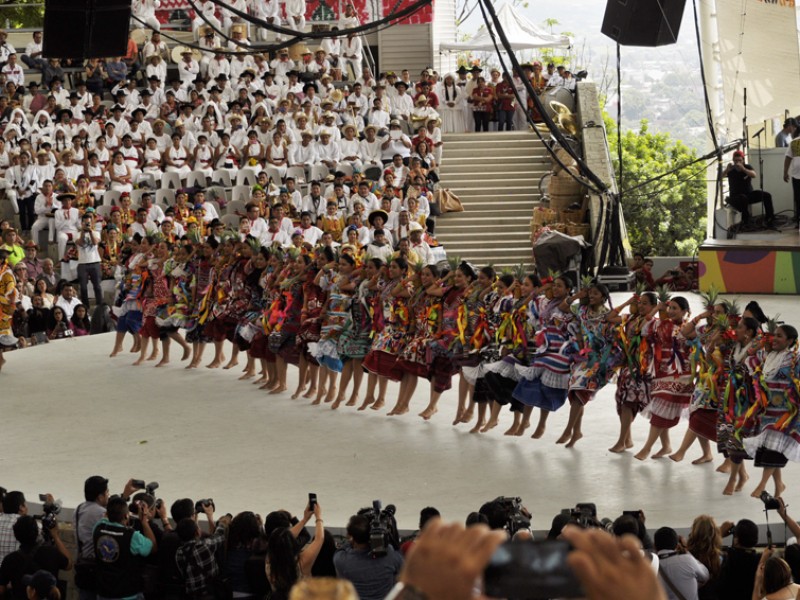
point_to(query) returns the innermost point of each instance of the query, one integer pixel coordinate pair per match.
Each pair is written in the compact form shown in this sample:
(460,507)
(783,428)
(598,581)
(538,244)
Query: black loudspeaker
(643,22)
(86,28)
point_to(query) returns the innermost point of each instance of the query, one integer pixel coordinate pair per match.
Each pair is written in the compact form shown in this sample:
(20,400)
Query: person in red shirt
(131,58)
(424,88)
(506,103)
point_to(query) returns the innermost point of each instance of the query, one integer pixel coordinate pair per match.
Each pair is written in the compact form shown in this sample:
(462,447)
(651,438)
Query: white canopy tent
(521,33)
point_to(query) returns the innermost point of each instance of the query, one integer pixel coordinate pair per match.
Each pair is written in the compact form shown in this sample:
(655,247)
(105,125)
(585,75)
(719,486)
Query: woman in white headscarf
(42,128)
(451,105)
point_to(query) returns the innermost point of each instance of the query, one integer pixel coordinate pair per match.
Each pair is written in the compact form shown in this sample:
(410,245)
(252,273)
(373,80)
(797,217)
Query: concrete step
(471,160)
(465,219)
(490,209)
(484,179)
(502,136)
(495,191)
(509,257)
(529,195)
(458,173)
(486,147)
(488,234)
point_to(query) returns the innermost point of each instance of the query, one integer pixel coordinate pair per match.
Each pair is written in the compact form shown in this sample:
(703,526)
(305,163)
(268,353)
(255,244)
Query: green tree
(18,15)
(666,217)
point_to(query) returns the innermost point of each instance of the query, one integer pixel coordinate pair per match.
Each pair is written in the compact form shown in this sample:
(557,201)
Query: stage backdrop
(758,51)
(750,270)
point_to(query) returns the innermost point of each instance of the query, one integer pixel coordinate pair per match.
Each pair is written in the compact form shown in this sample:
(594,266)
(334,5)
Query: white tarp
(521,34)
(758,51)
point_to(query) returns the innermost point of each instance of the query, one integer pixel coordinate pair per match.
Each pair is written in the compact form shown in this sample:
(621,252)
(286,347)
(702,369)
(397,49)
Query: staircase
(496,177)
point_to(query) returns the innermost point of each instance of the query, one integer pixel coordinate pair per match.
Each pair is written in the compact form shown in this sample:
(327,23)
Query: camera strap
(669,583)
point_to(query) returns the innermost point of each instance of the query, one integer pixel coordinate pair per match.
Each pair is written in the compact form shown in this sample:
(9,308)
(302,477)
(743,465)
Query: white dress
(452,116)
(119,171)
(152,162)
(178,156)
(278,152)
(203,160)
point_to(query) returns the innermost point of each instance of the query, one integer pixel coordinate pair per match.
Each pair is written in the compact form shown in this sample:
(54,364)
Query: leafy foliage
(666,217)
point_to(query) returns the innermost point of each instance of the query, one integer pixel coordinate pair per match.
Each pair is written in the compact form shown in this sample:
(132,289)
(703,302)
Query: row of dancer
(512,339)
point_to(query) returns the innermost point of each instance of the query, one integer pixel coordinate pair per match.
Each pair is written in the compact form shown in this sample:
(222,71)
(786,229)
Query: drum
(558,94)
(139,36)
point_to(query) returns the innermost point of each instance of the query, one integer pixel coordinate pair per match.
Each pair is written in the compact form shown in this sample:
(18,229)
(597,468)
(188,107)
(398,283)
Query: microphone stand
(761,173)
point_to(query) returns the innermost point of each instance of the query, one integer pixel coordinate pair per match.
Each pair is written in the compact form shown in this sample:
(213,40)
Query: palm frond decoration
(732,307)
(255,245)
(664,293)
(520,272)
(722,322)
(453,262)
(587,281)
(194,236)
(710,297)
(641,288)
(773,323)
(508,271)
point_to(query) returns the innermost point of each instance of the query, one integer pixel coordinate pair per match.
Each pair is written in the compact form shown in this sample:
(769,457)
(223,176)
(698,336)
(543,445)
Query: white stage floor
(69,412)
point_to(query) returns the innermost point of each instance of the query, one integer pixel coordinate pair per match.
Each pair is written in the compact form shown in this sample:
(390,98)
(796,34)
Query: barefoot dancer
(732,423)
(594,363)
(777,438)
(672,388)
(633,380)
(544,384)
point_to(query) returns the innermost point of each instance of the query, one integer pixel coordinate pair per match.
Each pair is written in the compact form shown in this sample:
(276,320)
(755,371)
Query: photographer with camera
(14,507)
(791,524)
(287,560)
(87,515)
(170,580)
(681,573)
(741,560)
(372,576)
(119,549)
(32,556)
(88,241)
(196,559)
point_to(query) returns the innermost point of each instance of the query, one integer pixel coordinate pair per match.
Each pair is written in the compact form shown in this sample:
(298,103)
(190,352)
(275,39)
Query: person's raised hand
(162,510)
(127,492)
(610,568)
(307,512)
(208,508)
(446,560)
(317,511)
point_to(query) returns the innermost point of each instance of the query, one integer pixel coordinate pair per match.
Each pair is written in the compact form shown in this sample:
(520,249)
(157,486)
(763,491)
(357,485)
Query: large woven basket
(575,229)
(543,215)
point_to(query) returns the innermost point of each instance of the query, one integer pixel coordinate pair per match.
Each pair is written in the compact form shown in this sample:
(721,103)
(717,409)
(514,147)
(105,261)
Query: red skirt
(703,422)
(415,368)
(383,364)
(260,349)
(150,329)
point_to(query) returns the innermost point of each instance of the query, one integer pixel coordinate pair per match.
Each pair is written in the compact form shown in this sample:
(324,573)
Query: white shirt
(268,238)
(88,251)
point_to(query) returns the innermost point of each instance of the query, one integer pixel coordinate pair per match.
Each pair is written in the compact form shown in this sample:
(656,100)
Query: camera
(585,515)
(51,510)
(770,502)
(516,516)
(383,528)
(151,487)
(201,505)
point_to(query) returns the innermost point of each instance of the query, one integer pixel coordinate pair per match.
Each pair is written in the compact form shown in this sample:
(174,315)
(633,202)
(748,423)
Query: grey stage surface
(69,412)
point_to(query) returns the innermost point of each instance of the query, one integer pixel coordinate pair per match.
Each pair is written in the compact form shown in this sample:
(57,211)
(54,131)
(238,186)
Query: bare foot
(192,365)
(310,393)
(336,403)
(297,393)
(617,448)
(489,426)
(521,429)
(478,428)
(260,380)
(724,468)
(757,492)
(574,439)
(268,385)
(330,395)
(215,364)
(135,348)
(379,404)
(677,457)
(353,401)
(728,491)
(232,363)
(662,453)
(187,352)
(428,413)
(459,417)
(741,482)
(641,455)
(403,410)
(152,357)
(114,352)
(278,390)
(316,401)
(563,439)
(162,363)
(511,430)
(467,416)
(138,362)
(629,443)
(247,375)
(702,460)
(367,402)
(539,432)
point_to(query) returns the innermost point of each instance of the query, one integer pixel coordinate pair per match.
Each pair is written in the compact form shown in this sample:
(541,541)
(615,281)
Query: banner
(759,53)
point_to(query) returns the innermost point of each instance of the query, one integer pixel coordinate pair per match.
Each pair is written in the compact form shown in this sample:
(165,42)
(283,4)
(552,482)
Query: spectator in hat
(402,104)
(32,261)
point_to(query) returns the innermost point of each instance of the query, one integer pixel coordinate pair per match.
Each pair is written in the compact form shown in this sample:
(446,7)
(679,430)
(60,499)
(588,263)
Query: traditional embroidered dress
(355,339)
(732,423)
(593,366)
(775,435)
(389,325)
(708,362)
(326,352)
(671,389)
(633,376)
(424,311)
(544,384)
(178,312)
(9,296)
(450,339)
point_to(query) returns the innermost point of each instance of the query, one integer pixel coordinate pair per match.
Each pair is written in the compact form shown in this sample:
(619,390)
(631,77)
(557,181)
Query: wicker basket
(559,227)
(572,215)
(543,216)
(535,229)
(564,184)
(575,229)
(559,202)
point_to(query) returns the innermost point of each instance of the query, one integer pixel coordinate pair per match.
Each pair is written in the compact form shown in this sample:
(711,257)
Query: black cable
(619,121)
(214,29)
